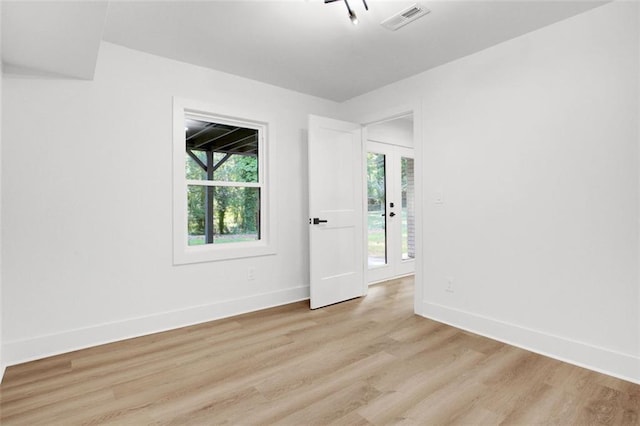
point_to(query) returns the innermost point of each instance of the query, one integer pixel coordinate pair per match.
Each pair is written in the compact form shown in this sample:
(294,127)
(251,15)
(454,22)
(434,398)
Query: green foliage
(375,181)
(196,209)
(235,209)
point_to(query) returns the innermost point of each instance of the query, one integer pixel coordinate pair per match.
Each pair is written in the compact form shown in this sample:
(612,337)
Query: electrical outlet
(251,274)
(449,288)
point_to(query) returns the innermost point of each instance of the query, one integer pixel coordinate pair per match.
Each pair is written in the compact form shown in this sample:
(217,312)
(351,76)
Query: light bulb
(353,17)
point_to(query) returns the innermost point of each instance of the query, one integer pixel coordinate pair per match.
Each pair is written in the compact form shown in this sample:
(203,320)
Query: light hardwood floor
(366,361)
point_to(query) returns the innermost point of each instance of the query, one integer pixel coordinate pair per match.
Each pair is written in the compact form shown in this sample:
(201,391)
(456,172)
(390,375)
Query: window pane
(376,210)
(220,214)
(408,210)
(193,168)
(237,168)
(221,152)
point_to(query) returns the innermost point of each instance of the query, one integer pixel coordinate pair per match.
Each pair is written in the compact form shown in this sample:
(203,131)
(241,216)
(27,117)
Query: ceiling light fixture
(352,15)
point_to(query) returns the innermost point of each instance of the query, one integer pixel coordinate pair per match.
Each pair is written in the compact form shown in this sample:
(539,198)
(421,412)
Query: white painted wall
(87,201)
(2,362)
(534,144)
(394,132)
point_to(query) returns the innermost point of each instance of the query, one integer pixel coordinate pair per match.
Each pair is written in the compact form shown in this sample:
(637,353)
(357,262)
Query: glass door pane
(376,210)
(408,209)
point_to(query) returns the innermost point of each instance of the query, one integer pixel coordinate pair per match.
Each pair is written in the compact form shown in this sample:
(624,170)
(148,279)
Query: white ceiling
(301,45)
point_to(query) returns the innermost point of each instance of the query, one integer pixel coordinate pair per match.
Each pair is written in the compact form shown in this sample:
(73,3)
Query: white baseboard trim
(616,364)
(2,370)
(24,350)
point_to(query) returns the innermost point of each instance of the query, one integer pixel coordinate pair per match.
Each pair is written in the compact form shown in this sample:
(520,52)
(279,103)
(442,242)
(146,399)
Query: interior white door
(336,210)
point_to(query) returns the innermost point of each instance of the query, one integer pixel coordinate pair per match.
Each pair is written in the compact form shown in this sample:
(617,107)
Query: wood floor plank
(396,402)
(368,361)
(321,388)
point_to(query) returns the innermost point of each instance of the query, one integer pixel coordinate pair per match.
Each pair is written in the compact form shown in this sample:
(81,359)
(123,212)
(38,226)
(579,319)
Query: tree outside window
(223,182)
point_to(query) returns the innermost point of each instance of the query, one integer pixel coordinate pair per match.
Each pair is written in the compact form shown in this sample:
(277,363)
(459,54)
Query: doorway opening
(390,199)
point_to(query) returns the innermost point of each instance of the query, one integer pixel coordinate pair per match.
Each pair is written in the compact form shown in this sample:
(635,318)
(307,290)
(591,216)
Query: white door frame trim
(415,109)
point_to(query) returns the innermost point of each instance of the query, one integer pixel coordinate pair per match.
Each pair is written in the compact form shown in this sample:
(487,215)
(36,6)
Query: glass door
(390,211)
(376,210)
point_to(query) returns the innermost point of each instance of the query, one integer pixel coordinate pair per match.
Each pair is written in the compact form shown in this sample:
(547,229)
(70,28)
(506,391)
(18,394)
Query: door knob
(317,221)
(392,214)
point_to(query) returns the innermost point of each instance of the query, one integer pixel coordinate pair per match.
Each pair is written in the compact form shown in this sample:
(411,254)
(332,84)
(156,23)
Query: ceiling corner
(54,38)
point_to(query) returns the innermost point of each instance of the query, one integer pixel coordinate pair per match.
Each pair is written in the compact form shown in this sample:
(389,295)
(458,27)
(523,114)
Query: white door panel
(335,196)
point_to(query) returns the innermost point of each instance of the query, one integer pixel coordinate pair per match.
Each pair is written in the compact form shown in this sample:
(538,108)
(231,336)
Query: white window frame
(266,245)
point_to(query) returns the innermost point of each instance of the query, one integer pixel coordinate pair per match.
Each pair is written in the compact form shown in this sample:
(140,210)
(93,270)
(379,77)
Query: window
(223,181)
(221,194)
(408,209)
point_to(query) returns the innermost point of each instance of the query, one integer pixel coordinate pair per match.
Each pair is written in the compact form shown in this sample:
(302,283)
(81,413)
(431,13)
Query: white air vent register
(405,16)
